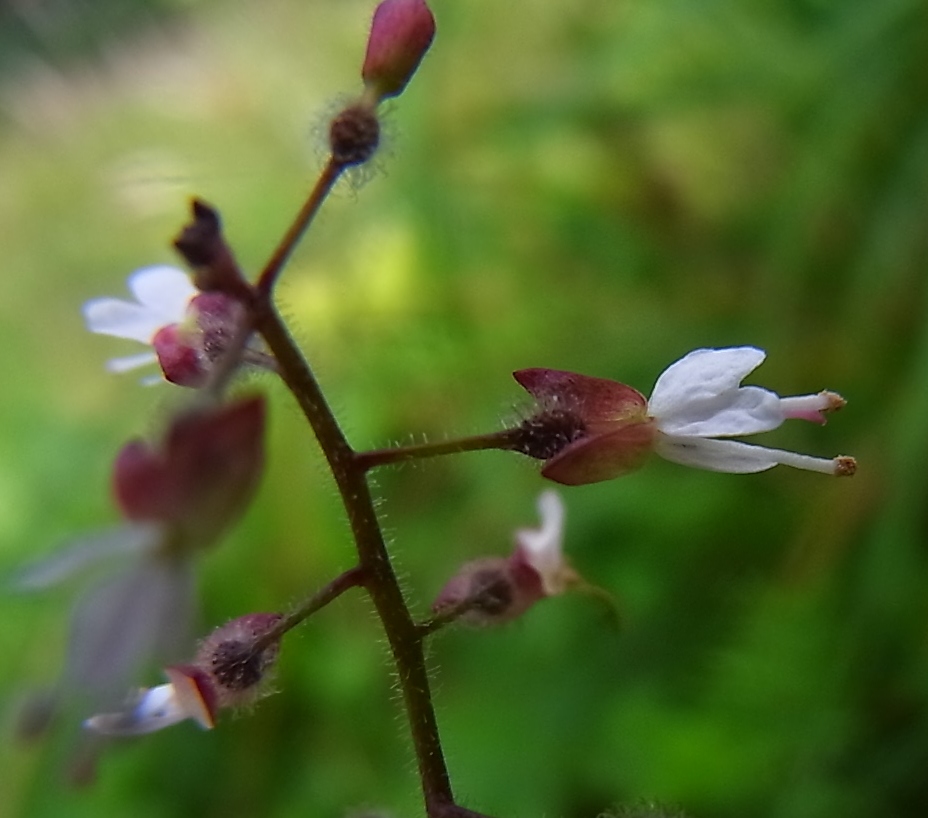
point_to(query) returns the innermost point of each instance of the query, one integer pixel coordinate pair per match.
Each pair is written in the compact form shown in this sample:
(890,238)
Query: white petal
(132,539)
(155,708)
(126,363)
(165,291)
(744,411)
(733,456)
(542,547)
(131,620)
(122,319)
(701,375)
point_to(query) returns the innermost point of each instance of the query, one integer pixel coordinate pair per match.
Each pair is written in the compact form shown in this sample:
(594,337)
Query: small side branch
(352,578)
(507,440)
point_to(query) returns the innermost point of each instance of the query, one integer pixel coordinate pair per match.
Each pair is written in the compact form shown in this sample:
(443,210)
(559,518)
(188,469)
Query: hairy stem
(507,439)
(324,184)
(351,578)
(379,578)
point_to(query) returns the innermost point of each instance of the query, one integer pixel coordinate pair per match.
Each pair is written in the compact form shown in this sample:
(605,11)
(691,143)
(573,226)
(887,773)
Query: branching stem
(379,577)
(202,244)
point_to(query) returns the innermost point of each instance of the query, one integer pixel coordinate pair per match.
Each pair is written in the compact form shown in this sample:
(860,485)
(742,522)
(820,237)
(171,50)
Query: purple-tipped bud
(200,479)
(401,33)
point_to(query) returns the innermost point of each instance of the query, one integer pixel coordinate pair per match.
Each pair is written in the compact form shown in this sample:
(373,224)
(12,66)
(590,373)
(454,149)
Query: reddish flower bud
(401,33)
(200,479)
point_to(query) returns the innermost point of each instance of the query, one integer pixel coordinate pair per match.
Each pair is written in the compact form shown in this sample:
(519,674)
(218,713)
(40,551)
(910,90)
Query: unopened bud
(401,33)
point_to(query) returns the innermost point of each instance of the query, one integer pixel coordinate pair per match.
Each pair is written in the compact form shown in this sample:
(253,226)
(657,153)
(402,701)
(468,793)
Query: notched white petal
(542,547)
(128,540)
(163,290)
(701,375)
(744,411)
(153,709)
(126,363)
(121,319)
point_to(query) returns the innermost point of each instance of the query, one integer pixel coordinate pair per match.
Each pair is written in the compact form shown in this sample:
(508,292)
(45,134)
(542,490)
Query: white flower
(162,295)
(186,696)
(542,548)
(698,400)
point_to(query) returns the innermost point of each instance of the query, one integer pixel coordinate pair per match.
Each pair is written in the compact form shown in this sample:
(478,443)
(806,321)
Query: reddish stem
(275,264)
(507,439)
(379,577)
(351,578)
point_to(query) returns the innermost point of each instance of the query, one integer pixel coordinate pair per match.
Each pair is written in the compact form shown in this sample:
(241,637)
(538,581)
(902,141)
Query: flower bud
(401,33)
(200,479)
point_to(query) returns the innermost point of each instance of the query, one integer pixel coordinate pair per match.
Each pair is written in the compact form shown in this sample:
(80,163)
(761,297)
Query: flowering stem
(324,184)
(506,439)
(351,578)
(374,562)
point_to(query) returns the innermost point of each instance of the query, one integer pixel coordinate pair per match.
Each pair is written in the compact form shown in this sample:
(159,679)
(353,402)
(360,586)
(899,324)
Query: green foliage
(595,185)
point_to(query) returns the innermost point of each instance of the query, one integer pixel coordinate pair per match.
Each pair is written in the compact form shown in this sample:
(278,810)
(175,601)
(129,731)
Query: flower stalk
(403,635)
(324,184)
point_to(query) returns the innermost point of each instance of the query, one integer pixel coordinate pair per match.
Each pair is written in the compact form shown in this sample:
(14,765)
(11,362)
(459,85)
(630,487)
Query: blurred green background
(596,185)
